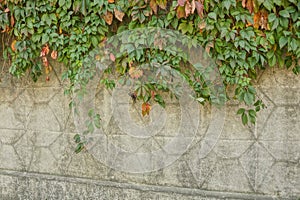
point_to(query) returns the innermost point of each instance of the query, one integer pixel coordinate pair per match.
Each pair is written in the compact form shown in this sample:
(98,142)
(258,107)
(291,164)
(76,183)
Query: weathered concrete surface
(37,159)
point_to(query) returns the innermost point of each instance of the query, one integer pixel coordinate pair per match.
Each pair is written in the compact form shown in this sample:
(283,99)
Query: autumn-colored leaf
(180,12)
(12,21)
(162,3)
(181,2)
(45,50)
(153,6)
(54,55)
(119,14)
(108,18)
(199,7)
(208,46)
(202,25)
(187,9)
(256,19)
(250,5)
(111,1)
(13,45)
(261,20)
(45,61)
(264,20)
(135,73)
(146,107)
(112,57)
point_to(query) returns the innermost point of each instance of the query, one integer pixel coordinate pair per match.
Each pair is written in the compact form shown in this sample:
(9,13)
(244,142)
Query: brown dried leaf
(108,18)
(12,21)
(200,8)
(119,14)
(153,6)
(187,9)
(264,20)
(250,5)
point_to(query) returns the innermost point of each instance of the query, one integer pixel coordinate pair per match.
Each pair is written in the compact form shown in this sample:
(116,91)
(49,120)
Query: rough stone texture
(37,159)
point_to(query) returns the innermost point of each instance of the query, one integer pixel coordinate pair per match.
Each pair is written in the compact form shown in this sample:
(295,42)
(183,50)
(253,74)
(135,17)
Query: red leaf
(112,57)
(45,50)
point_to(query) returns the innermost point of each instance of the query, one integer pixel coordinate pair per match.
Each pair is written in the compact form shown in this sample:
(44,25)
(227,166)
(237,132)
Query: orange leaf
(256,19)
(13,45)
(119,14)
(108,18)
(146,107)
(153,6)
(54,55)
(111,1)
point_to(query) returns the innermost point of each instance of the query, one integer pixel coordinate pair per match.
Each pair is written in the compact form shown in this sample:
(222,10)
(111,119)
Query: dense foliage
(243,36)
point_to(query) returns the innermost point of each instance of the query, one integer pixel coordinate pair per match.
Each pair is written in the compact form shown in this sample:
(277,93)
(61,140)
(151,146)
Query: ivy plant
(242,36)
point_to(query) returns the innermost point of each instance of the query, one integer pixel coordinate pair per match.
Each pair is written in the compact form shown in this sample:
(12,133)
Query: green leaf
(284,13)
(212,15)
(61,3)
(79,148)
(248,98)
(226,4)
(244,118)
(282,41)
(241,111)
(272,17)
(77,138)
(252,113)
(268,4)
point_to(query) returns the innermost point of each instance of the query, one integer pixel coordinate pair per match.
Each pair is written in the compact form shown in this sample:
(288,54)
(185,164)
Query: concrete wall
(37,159)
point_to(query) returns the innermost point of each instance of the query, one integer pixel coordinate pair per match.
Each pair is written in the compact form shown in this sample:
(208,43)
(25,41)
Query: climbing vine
(243,36)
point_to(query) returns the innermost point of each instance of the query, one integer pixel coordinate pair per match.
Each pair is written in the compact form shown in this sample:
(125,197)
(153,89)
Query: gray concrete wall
(37,159)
